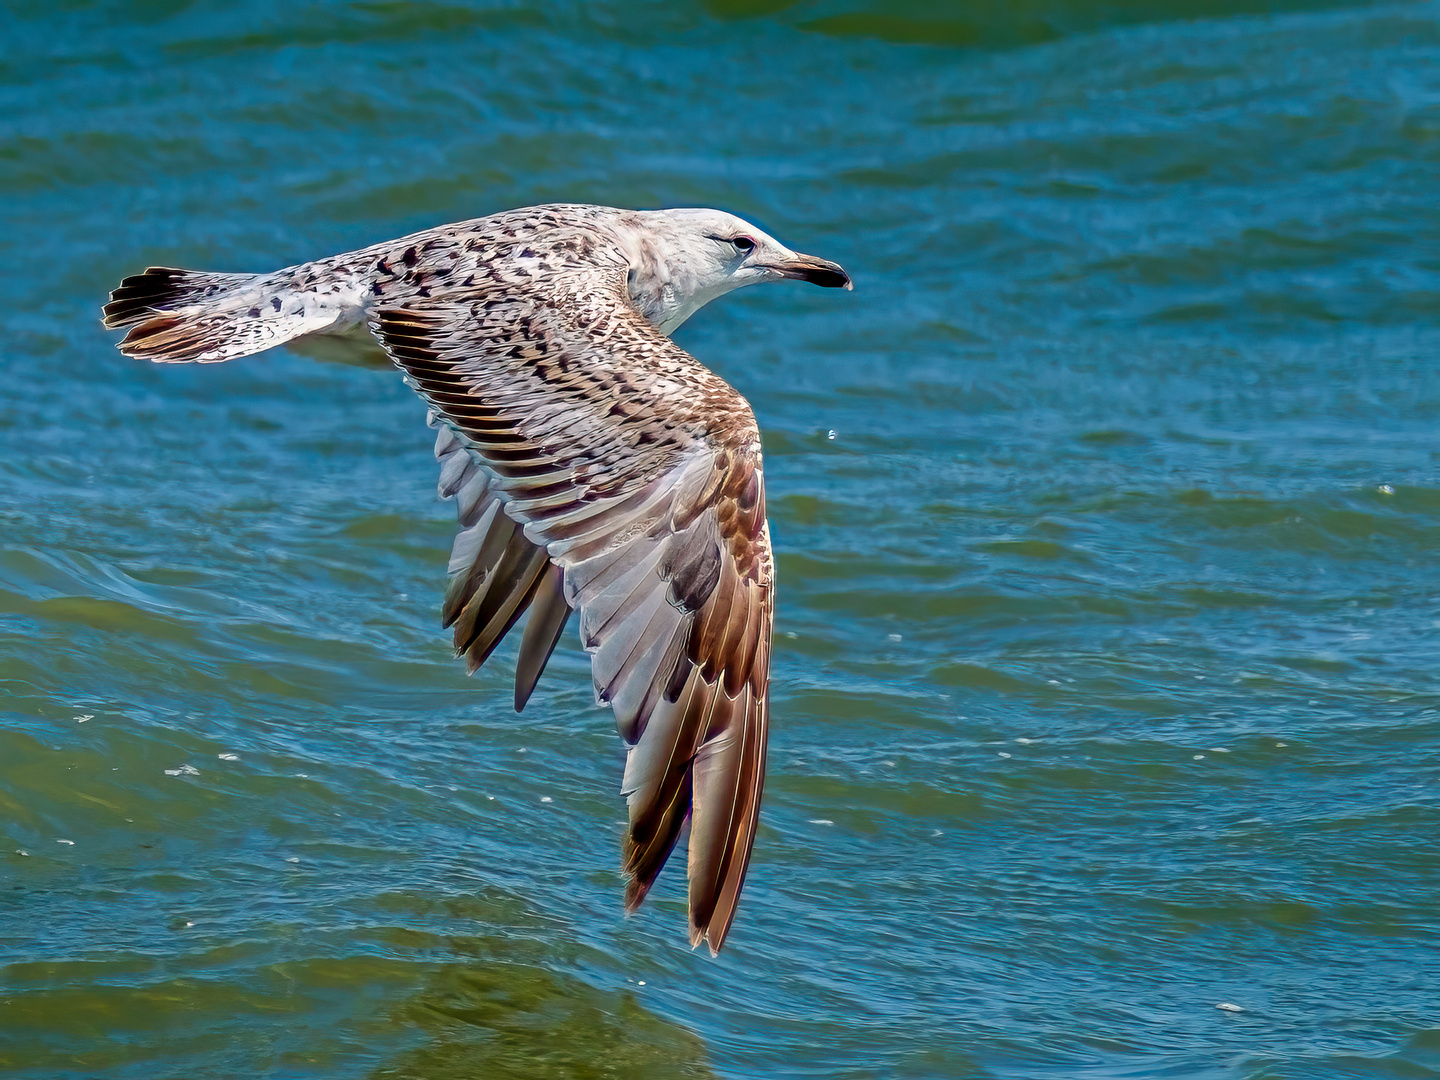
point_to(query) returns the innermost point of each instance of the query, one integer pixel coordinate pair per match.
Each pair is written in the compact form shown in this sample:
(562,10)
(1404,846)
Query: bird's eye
(744,243)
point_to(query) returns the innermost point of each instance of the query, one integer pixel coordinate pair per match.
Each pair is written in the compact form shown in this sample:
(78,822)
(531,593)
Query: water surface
(1106,511)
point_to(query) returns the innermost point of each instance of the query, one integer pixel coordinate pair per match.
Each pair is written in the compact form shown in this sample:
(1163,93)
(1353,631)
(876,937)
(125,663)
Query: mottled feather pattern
(655,515)
(596,467)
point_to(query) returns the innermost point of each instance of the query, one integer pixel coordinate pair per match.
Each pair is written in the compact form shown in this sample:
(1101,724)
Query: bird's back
(179,316)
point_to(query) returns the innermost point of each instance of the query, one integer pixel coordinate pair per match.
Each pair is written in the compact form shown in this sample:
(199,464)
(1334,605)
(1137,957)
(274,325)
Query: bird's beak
(822,272)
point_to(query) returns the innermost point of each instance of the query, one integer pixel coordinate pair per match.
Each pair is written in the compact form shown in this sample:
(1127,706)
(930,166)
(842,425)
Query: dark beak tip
(822,272)
(828,278)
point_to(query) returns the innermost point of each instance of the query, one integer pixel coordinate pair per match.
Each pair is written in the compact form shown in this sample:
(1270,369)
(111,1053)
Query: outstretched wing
(600,468)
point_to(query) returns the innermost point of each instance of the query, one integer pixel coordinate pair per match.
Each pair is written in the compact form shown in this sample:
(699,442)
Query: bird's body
(595,464)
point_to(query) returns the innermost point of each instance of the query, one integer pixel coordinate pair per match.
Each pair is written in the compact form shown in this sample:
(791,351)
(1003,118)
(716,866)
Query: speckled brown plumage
(596,466)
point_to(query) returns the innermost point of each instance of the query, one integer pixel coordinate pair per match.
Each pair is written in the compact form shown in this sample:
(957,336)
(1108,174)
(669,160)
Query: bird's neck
(665,283)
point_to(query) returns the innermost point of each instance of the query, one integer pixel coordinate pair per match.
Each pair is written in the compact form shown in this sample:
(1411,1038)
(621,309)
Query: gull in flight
(596,467)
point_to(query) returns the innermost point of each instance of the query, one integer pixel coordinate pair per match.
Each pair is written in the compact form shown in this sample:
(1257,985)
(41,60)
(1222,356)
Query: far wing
(599,467)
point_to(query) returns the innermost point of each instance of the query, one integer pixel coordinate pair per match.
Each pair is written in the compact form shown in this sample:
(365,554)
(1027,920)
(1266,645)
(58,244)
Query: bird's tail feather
(183,316)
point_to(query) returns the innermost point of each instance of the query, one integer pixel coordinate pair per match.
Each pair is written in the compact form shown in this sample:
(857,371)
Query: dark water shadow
(992,24)
(391,985)
(501,1020)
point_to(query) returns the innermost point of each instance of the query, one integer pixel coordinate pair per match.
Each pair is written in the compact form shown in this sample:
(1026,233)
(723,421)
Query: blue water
(1106,508)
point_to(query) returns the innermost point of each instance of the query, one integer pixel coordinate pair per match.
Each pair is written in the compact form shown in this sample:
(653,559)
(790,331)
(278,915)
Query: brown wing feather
(594,445)
(496,572)
(548,615)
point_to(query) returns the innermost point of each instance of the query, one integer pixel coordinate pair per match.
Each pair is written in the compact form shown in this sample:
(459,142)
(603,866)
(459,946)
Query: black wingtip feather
(142,295)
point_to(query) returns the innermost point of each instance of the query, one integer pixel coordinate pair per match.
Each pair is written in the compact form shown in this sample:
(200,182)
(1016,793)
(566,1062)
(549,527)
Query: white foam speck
(522,749)
(83,717)
(830,434)
(1002,753)
(22,851)
(293,859)
(821,821)
(67,843)
(1219,749)
(228,757)
(546,798)
(1199,757)
(1025,742)
(183,770)
(188,924)
(640,983)
(1053,682)
(1387,489)
(1226,1006)
(893,637)
(888,764)
(791,634)
(490,797)
(1282,744)
(937,832)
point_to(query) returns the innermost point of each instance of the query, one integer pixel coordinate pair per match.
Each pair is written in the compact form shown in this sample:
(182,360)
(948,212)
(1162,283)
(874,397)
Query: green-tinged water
(1107,511)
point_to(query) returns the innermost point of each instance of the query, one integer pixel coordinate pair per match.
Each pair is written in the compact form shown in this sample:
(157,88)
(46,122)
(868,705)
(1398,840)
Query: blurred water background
(1107,512)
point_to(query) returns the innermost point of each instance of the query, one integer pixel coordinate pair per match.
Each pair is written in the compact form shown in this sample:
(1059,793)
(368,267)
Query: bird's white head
(680,260)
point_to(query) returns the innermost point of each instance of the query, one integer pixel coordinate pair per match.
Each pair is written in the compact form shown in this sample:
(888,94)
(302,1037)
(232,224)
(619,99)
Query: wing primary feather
(548,615)
(647,626)
(501,606)
(715,780)
(488,539)
(645,674)
(617,592)
(468,542)
(644,861)
(658,783)
(709,631)
(729,769)
(742,835)
(656,765)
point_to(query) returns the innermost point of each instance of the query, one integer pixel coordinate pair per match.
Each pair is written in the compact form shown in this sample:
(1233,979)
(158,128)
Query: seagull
(595,465)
